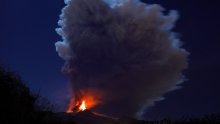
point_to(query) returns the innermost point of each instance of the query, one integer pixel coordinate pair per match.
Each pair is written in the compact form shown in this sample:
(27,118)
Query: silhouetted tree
(17,102)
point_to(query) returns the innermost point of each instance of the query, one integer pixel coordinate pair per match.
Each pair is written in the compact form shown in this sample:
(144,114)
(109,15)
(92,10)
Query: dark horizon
(27,47)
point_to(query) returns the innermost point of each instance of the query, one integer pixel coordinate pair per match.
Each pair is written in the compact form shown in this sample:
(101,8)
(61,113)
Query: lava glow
(87,102)
(82,107)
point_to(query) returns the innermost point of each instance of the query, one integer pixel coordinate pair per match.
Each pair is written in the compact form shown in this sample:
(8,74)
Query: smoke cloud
(122,49)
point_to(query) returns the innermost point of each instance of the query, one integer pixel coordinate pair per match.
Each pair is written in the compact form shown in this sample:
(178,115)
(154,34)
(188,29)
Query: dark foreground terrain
(88,117)
(19,106)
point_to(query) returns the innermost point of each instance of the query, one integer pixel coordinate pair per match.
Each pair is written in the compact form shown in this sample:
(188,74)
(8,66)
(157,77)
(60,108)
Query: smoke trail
(125,50)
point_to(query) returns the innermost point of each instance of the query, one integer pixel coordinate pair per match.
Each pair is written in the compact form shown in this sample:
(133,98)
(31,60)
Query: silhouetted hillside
(17,103)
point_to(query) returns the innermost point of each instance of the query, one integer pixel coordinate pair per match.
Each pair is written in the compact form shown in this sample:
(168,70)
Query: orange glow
(82,107)
(86,102)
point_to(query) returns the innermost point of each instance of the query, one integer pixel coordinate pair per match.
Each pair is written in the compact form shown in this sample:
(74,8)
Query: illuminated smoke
(123,49)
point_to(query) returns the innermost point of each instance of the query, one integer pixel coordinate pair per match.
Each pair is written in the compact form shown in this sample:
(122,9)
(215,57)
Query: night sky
(27,38)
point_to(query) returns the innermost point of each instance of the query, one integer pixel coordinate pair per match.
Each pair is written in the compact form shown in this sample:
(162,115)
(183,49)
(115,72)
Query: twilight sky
(27,38)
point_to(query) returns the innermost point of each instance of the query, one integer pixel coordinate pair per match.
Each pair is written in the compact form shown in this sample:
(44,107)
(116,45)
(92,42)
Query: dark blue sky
(27,38)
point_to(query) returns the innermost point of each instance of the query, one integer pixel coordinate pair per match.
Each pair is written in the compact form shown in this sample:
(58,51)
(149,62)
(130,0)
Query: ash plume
(122,49)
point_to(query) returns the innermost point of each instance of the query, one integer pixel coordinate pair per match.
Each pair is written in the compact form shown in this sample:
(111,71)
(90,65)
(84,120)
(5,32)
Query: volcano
(89,117)
(86,117)
(80,113)
(121,57)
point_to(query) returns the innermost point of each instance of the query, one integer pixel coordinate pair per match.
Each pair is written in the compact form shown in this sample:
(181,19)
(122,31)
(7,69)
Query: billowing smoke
(122,49)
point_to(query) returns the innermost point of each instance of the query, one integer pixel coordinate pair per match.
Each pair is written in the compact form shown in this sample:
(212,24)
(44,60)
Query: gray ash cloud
(124,50)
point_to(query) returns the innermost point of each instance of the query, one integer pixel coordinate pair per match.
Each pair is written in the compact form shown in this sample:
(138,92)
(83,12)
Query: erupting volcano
(78,107)
(121,55)
(82,101)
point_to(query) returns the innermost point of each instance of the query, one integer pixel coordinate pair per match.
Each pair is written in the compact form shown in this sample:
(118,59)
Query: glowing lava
(82,107)
(86,102)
